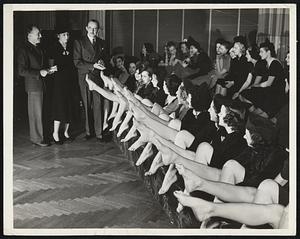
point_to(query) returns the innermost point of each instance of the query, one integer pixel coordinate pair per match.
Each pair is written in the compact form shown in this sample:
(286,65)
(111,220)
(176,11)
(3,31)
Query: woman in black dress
(257,75)
(271,91)
(63,86)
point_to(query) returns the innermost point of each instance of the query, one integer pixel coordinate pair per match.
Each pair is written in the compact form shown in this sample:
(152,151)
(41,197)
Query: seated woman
(183,105)
(121,72)
(232,146)
(257,75)
(173,58)
(184,139)
(239,68)
(170,104)
(222,63)
(270,93)
(261,160)
(199,64)
(131,82)
(268,192)
(183,50)
(148,56)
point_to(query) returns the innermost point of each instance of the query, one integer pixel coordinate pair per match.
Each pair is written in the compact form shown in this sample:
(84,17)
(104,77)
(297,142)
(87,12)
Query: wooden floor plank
(83,184)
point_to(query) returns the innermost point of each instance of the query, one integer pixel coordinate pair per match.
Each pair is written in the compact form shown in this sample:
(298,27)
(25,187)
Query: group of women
(218,126)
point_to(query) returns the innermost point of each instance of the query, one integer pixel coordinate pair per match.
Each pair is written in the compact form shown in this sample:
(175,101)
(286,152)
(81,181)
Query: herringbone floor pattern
(83,184)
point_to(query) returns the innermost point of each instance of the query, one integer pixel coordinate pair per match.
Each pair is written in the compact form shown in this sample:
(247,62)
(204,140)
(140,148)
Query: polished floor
(83,184)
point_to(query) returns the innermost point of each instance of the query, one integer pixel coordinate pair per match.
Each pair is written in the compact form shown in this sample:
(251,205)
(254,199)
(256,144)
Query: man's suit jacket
(30,62)
(85,55)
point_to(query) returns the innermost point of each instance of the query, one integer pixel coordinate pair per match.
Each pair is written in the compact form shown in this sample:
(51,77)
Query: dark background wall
(131,29)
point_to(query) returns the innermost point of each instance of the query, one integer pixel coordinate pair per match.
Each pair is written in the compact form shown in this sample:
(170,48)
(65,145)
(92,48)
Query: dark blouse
(159,97)
(261,163)
(131,83)
(147,92)
(233,145)
(238,72)
(260,69)
(192,123)
(205,134)
(201,62)
(275,69)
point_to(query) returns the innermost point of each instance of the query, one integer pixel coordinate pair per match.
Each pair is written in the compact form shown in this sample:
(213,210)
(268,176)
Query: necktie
(94,42)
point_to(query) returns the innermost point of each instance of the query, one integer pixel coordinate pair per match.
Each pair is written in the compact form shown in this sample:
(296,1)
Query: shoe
(59,142)
(88,137)
(41,144)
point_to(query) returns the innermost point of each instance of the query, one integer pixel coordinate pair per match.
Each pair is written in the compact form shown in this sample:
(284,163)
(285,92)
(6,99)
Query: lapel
(36,52)
(89,46)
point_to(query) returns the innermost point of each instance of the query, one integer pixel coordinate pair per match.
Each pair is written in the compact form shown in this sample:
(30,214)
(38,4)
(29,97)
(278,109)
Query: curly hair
(257,140)
(233,119)
(268,46)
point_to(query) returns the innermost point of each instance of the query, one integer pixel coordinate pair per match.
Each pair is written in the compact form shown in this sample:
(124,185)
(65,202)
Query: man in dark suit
(31,66)
(89,55)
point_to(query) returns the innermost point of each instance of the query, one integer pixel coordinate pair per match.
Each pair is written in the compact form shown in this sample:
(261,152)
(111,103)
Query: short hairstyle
(171,43)
(95,21)
(257,139)
(200,95)
(172,83)
(268,46)
(149,47)
(217,102)
(254,52)
(233,119)
(227,44)
(120,57)
(29,28)
(219,40)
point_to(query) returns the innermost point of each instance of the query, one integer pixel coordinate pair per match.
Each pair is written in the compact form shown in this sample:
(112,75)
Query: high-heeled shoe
(59,142)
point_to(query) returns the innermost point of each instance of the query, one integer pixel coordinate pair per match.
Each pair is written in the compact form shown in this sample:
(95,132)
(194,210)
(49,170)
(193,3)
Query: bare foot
(147,152)
(131,133)
(156,163)
(91,84)
(124,124)
(143,129)
(201,208)
(191,180)
(114,111)
(180,206)
(169,179)
(141,141)
(168,155)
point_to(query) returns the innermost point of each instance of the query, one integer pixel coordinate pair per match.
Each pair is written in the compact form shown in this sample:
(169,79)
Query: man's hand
(99,66)
(43,72)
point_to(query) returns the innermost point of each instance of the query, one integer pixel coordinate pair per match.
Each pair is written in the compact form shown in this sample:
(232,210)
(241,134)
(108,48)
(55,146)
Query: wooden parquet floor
(83,184)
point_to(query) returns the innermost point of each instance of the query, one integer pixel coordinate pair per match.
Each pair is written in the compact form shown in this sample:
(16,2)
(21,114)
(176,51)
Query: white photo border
(8,10)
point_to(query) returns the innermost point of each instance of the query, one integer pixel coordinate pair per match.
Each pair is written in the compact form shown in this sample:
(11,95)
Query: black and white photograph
(149,119)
